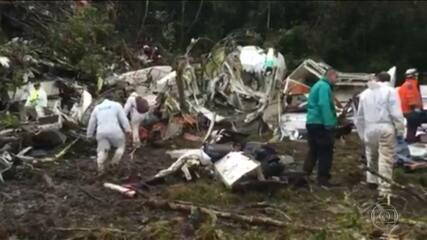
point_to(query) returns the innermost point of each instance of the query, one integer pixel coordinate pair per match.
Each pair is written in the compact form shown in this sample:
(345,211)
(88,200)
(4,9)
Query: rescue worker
(411,104)
(67,95)
(136,117)
(36,101)
(269,62)
(379,120)
(320,124)
(109,121)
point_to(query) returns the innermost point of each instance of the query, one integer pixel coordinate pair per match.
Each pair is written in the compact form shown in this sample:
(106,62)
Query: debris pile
(240,87)
(228,157)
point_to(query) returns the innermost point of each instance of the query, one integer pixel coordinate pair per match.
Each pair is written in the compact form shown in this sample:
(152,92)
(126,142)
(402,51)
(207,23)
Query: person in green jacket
(320,124)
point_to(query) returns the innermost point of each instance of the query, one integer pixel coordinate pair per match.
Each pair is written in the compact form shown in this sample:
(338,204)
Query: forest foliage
(97,40)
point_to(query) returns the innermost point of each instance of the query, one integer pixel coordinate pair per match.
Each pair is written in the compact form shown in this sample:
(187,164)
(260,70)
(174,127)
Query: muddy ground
(76,206)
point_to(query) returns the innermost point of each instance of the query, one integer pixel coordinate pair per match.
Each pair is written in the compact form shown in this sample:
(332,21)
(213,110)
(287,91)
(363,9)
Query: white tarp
(234,166)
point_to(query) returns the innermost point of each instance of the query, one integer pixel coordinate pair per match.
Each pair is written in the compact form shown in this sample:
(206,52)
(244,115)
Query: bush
(9,121)
(86,39)
(21,55)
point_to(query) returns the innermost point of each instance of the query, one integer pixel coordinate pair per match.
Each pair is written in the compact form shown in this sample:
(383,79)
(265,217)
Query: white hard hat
(411,72)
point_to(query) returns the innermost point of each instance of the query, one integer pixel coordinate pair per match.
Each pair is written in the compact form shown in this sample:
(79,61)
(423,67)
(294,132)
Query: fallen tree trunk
(254,220)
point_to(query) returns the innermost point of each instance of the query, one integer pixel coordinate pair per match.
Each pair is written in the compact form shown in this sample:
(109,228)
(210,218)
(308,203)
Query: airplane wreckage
(228,87)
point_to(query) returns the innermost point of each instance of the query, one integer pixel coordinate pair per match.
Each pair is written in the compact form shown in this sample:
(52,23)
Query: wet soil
(74,205)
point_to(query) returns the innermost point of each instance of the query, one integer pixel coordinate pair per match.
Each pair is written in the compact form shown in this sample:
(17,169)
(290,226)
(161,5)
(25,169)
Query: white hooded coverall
(136,118)
(379,118)
(109,120)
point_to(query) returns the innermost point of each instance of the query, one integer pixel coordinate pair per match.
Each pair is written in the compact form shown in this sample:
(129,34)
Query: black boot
(326,183)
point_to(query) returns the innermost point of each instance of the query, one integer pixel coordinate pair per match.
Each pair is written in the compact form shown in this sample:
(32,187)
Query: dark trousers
(321,150)
(413,121)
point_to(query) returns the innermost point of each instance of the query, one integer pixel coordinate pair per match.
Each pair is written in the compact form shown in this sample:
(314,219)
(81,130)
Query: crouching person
(109,121)
(379,120)
(137,108)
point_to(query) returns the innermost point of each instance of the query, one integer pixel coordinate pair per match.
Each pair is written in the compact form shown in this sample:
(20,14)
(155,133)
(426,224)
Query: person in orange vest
(411,104)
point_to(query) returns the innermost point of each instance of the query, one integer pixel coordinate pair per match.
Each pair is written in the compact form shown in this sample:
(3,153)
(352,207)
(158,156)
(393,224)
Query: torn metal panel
(292,125)
(234,166)
(141,76)
(6,163)
(208,114)
(418,150)
(309,71)
(165,83)
(79,108)
(175,154)
(392,73)
(249,95)
(190,155)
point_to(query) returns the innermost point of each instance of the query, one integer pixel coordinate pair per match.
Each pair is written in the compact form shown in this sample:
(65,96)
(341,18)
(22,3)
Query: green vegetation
(86,40)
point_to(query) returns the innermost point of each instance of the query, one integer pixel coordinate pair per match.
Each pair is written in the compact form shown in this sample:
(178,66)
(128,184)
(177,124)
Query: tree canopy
(366,36)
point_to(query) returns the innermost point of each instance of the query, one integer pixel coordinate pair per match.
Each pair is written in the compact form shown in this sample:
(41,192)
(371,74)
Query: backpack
(141,104)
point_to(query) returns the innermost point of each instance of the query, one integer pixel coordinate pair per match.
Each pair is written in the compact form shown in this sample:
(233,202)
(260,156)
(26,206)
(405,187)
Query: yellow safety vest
(34,97)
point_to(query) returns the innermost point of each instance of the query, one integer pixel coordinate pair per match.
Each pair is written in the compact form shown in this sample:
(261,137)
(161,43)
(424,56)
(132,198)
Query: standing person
(109,121)
(411,104)
(137,107)
(66,94)
(320,124)
(269,64)
(36,101)
(379,120)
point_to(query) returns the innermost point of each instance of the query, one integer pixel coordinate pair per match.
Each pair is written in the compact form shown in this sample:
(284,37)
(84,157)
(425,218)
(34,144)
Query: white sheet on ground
(234,166)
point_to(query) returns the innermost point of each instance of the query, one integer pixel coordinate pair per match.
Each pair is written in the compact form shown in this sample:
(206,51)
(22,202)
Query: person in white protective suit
(137,116)
(109,121)
(78,109)
(36,101)
(379,120)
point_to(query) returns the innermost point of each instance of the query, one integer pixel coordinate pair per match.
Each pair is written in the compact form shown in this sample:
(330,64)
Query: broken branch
(410,190)
(111,230)
(58,155)
(255,220)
